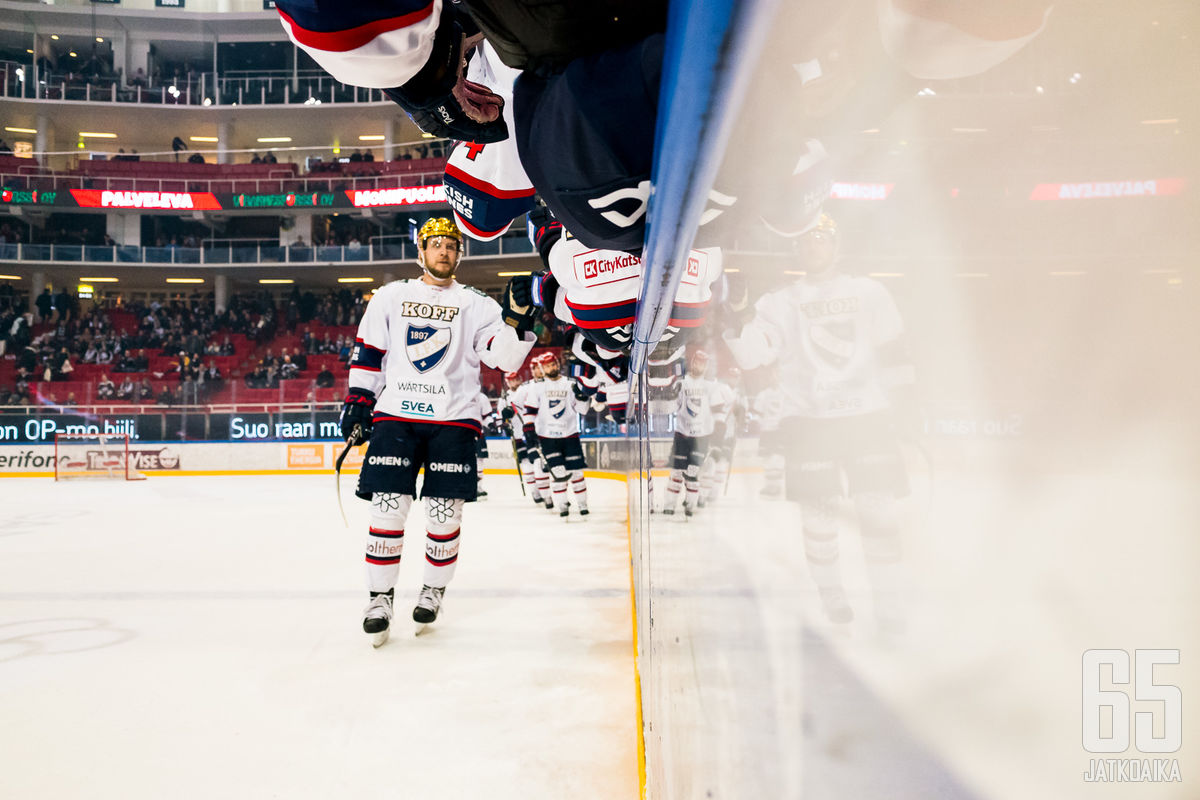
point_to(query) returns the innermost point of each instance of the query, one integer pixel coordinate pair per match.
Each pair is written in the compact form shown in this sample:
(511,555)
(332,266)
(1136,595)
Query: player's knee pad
(559,473)
(692,473)
(389,510)
(443,514)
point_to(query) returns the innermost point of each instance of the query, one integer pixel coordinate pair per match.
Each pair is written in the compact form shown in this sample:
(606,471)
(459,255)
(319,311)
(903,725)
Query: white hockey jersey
(838,343)
(699,404)
(768,409)
(598,290)
(419,348)
(553,408)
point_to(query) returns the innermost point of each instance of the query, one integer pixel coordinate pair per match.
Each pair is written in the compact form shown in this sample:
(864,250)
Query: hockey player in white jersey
(767,408)
(846,383)
(721,444)
(552,409)
(698,402)
(414,387)
(512,411)
(487,418)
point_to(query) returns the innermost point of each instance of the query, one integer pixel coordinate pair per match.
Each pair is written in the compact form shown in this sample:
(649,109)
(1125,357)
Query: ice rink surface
(200,637)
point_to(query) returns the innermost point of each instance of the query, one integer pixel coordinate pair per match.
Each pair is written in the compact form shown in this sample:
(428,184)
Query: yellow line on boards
(637,675)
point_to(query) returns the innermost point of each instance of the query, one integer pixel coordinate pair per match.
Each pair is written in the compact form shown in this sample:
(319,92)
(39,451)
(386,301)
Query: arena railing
(36,178)
(307,87)
(379,249)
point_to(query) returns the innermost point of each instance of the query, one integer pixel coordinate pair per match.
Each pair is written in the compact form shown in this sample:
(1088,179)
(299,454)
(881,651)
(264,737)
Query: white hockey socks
(385,540)
(821,541)
(579,487)
(529,479)
(674,486)
(882,550)
(443,523)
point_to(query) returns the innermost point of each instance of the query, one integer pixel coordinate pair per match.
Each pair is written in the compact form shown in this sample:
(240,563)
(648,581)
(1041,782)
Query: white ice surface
(199,637)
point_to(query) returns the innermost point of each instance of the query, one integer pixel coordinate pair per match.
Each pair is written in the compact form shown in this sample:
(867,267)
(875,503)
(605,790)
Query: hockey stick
(355,434)
(513,441)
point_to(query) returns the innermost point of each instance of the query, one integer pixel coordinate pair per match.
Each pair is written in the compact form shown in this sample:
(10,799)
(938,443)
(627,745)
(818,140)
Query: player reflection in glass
(836,343)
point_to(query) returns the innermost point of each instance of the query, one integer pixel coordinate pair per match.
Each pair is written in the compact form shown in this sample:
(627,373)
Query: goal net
(93,455)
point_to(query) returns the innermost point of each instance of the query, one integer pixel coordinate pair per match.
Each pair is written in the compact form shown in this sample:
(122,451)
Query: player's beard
(441,269)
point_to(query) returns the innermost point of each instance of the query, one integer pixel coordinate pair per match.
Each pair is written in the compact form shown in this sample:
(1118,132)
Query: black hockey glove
(440,99)
(737,310)
(507,413)
(544,231)
(531,438)
(525,297)
(357,409)
(581,392)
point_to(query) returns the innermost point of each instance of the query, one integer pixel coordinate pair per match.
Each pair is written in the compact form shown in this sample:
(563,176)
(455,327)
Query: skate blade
(377,639)
(421,627)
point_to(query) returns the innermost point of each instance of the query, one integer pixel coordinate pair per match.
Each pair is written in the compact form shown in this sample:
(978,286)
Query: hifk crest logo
(559,413)
(833,341)
(426,346)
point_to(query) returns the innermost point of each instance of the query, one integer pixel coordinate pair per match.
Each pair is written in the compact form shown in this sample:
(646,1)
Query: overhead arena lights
(212,139)
(517,274)
(275,280)
(90,135)
(356,280)
(372,137)
(185,280)
(11,129)
(99,280)
(273,139)
(10,277)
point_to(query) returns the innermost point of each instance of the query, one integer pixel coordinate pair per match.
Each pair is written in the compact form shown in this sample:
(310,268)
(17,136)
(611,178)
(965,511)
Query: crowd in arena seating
(50,344)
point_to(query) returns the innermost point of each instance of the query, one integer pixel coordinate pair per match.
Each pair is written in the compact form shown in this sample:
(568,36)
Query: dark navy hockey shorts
(566,452)
(399,449)
(817,452)
(688,450)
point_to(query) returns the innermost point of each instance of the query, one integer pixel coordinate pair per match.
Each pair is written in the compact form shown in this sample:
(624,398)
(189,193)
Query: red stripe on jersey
(379,350)
(484,186)
(471,425)
(386,534)
(464,223)
(352,38)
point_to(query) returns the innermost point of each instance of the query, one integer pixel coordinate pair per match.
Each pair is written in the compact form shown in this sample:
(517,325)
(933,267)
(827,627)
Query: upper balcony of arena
(216,71)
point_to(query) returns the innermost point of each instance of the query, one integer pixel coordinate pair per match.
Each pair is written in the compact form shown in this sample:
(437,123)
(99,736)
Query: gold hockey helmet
(439,226)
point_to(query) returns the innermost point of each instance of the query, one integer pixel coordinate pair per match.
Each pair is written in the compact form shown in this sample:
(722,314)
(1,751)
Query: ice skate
(378,616)
(429,603)
(481,495)
(583,512)
(837,609)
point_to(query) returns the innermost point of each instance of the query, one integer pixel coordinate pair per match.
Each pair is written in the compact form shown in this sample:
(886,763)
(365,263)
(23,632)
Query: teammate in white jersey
(529,457)
(552,409)
(487,418)
(699,402)
(414,387)
(846,382)
(768,410)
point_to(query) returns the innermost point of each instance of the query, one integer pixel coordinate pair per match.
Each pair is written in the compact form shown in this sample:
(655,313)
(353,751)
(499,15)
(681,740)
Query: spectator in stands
(269,158)
(138,79)
(356,157)
(146,390)
(344,346)
(4,148)
(196,158)
(166,397)
(257,159)
(288,369)
(126,389)
(299,359)
(62,305)
(212,377)
(325,378)
(105,390)
(62,366)
(70,401)
(227,348)
(367,156)
(45,305)
(177,144)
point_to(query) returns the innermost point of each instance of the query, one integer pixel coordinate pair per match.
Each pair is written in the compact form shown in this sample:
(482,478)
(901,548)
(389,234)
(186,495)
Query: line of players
(542,417)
